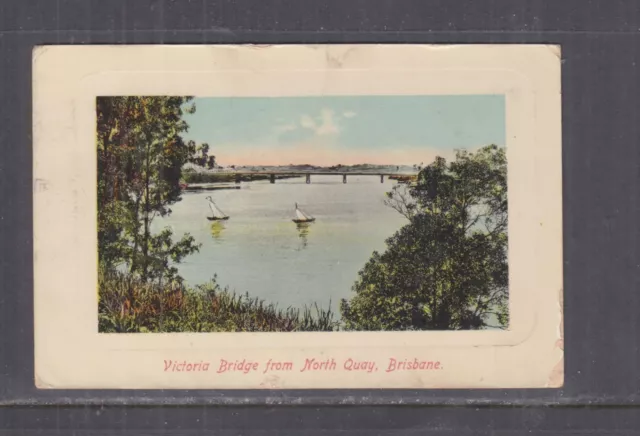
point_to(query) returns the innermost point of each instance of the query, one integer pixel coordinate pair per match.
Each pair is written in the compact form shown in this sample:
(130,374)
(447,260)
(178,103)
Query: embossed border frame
(69,351)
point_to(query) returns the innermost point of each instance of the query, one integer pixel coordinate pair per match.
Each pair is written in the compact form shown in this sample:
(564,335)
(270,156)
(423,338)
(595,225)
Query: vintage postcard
(284,217)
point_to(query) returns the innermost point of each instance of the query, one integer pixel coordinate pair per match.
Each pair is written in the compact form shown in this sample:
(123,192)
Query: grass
(128,305)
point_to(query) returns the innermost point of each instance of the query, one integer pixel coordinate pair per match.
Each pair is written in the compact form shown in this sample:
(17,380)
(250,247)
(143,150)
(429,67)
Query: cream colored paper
(70,353)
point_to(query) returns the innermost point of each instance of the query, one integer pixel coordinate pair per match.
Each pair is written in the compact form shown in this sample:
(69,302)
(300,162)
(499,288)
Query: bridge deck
(319,173)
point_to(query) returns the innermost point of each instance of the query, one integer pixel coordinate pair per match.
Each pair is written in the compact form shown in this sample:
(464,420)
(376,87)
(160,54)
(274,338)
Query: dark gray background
(600,49)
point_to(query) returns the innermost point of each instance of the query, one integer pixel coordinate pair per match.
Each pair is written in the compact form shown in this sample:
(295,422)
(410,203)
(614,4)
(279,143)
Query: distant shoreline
(193,182)
(216,178)
(247,176)
(196,182)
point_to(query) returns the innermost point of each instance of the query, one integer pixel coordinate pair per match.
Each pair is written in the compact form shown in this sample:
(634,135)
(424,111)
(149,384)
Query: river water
(260,250)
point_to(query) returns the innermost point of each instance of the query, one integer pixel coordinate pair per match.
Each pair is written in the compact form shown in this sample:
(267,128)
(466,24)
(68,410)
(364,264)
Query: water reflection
(352,222)
(303,233)
(216,229)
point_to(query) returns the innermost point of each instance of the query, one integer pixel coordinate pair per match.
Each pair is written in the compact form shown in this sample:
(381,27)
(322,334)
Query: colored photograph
(289,214)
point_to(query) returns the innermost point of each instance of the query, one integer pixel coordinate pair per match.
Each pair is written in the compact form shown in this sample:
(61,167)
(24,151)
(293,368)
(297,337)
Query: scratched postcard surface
(348,216)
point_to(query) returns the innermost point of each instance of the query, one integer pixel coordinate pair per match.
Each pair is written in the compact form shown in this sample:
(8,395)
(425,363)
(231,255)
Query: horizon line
(310,165)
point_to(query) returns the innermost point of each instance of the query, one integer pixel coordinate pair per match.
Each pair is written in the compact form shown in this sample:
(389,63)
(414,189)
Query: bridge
(273,174)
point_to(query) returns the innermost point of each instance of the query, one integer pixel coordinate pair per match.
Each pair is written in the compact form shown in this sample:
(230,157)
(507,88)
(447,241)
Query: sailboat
(218,215)
(302,217)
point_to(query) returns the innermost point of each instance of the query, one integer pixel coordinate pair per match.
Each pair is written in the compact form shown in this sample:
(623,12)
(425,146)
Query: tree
(140,158)
(447,268)
(211,163)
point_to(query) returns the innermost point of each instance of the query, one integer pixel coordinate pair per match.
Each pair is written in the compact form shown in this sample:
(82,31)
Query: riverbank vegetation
(447,268)
(129,305)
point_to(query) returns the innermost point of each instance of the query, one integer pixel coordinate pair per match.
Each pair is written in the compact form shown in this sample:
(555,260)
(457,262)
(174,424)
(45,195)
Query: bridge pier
(273,178)
(344,178)
(381,178)
(238,178)
(308,178)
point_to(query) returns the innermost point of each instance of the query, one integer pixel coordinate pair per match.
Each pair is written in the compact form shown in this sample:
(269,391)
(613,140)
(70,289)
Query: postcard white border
(71,354)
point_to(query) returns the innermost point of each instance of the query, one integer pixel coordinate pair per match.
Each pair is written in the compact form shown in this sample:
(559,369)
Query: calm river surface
(259,250)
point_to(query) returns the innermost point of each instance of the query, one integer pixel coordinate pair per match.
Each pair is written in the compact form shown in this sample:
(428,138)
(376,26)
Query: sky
(347,130)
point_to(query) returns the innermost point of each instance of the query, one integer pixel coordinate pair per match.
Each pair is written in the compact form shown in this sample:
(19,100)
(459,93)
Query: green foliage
(447,268)
(127,304)
(140,159)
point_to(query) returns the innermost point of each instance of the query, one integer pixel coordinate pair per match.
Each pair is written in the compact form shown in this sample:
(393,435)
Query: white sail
(217,213)
(300,215)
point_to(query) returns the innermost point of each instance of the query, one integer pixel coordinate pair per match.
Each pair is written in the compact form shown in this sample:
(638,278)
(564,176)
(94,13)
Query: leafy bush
(447,268)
